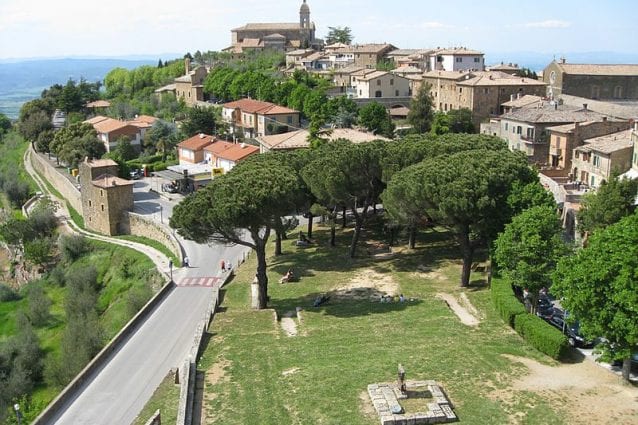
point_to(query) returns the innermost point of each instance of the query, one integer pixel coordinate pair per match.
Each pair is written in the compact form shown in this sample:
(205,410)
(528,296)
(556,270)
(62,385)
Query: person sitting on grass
(287,277)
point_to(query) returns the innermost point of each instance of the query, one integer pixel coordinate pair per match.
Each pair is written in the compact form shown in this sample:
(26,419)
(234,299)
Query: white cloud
(549,23)
(434,26)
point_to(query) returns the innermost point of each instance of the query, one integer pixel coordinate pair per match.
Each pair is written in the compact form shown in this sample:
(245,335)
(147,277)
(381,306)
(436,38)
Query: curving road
(119,391)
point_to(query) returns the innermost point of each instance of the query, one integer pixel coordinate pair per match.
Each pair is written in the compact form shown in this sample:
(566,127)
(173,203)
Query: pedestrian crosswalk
(206,281)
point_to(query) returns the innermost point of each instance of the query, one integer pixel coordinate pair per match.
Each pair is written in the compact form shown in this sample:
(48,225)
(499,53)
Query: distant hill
(538,61)
(21,81)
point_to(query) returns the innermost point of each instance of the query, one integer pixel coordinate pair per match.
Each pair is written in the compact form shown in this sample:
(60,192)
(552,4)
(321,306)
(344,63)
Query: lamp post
(161,219)
(170,268)
(16,407)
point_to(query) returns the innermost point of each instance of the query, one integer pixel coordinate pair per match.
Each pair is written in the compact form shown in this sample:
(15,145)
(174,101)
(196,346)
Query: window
(618,92)
(506,126)
(519,130)
(378,82)
(289,119)
(595,92)
(596,161)
(477,60)
(102,207)
(378,93)
(359,92)
(101,192)
(530,133)
(396,93)
(460,89)
(445,106)
(593,181)
(636,158)
(459,60)
(391,81)
(90,203)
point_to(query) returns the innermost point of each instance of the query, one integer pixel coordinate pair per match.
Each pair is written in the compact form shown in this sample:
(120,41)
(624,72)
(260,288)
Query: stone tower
(304,25)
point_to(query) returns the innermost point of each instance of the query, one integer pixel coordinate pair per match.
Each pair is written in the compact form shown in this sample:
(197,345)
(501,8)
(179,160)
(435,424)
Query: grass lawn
(165,398)
(256,374)
(153,244)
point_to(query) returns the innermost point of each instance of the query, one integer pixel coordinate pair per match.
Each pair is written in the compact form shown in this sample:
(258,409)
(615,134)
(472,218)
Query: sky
(65,28)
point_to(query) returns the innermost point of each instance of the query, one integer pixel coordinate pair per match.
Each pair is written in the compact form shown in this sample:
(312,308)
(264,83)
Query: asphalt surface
(119,391)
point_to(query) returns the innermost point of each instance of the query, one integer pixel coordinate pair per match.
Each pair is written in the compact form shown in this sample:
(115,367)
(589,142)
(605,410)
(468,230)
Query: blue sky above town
(45,28)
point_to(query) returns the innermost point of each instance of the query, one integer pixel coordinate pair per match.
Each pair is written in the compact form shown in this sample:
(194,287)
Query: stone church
(278,36)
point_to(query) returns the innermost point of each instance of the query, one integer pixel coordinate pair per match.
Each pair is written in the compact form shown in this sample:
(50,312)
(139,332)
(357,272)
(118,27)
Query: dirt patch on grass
(367,284)
(289,324)
(290,371)
(461,311)
(213,376)
(583,390)
(366,406)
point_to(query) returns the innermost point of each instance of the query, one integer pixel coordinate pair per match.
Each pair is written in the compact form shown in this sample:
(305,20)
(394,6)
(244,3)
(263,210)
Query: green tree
(339,35)
(34,124)
(163,136)
(74,143)
(465,191)
(249,199)
(347,175)
(421,110)
(5,125)
(454,121)
(529,249)
(38,251)
(200,120)
(374,117)
(598,286)
(613,200)
(125,149)
(39,304)
(341,112)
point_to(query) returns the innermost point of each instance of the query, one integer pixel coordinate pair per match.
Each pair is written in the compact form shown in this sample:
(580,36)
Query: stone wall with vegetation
(58,181)
(138,225)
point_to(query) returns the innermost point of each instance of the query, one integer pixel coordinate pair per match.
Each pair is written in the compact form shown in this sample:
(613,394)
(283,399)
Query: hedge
(541,335)
(538,333)
(505,302)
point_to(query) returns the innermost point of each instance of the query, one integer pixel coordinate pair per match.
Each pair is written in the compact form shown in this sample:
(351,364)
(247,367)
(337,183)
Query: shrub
(505,302)
(73,247)
(541,335)
(39,305)
(57,276)
(7,293)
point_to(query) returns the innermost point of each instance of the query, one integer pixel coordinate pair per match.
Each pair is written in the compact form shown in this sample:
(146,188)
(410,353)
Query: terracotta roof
(99,104)
(107,180)
(621,109)
(410,52)
(197,142)
(548,114)
(145,118)
(598,69)
(218,146)
(457,51)
(407,70)
(504,67)
(275,36)
(523,101)
(448,75)
(109,125)
(299,52)
(100,163)
(96,119)
(498,78)
(367,48)
(373,75)
(238,152)
(258,107)
(168,87)
(313,57)
(569,128)
(609,143)
(251,43)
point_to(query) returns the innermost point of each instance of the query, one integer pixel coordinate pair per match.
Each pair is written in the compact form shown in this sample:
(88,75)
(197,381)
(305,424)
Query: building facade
(105,197)
(596,160)
(591,81)
(256,118)
(380,84)
(190,86)
(456,59)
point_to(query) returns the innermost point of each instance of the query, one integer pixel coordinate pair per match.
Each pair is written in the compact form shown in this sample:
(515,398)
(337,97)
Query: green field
(256,374)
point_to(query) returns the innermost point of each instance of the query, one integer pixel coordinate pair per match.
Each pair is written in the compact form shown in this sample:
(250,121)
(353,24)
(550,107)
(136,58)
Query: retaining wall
(49,414)
(138,225)
(55,177)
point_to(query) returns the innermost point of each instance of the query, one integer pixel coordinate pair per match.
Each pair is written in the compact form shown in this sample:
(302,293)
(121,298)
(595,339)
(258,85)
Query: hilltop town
(307,230)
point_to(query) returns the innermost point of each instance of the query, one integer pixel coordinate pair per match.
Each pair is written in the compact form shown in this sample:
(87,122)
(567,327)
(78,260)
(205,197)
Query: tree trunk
(344,218)
(333,233)
(310,217)
(262,277)
(355,236)
(626,368)
(412,236)
(278,238)
(468,255)
(374,208)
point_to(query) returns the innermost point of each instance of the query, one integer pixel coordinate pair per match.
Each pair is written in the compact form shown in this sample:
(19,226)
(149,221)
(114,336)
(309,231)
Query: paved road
(120,390)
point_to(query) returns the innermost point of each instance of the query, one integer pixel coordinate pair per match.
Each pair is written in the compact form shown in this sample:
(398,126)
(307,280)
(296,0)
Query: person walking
(223,266)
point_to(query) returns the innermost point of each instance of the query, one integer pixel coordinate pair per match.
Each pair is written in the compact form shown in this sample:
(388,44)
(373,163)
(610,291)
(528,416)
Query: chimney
(187,65)
(584,106)
(511,97)
(604,119)
(563,60)
(243,145)
(518,95)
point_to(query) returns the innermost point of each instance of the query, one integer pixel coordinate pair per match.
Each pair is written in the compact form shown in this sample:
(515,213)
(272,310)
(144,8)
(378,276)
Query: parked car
(136,174)
(571,330)
(170,187)
(544,308)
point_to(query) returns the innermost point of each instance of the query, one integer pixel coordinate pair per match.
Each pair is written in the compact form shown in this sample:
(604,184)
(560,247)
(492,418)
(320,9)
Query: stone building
(456,59)
(596,160)
(565,138)
(365,55)
(481,92)
(591,81)
(379,84)
(278,36)
(190,86)
(105,197)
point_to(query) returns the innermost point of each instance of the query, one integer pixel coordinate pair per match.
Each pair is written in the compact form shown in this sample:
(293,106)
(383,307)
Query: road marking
(206,281)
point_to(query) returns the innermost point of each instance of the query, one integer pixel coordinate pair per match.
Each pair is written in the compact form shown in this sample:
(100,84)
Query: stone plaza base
(385,398)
